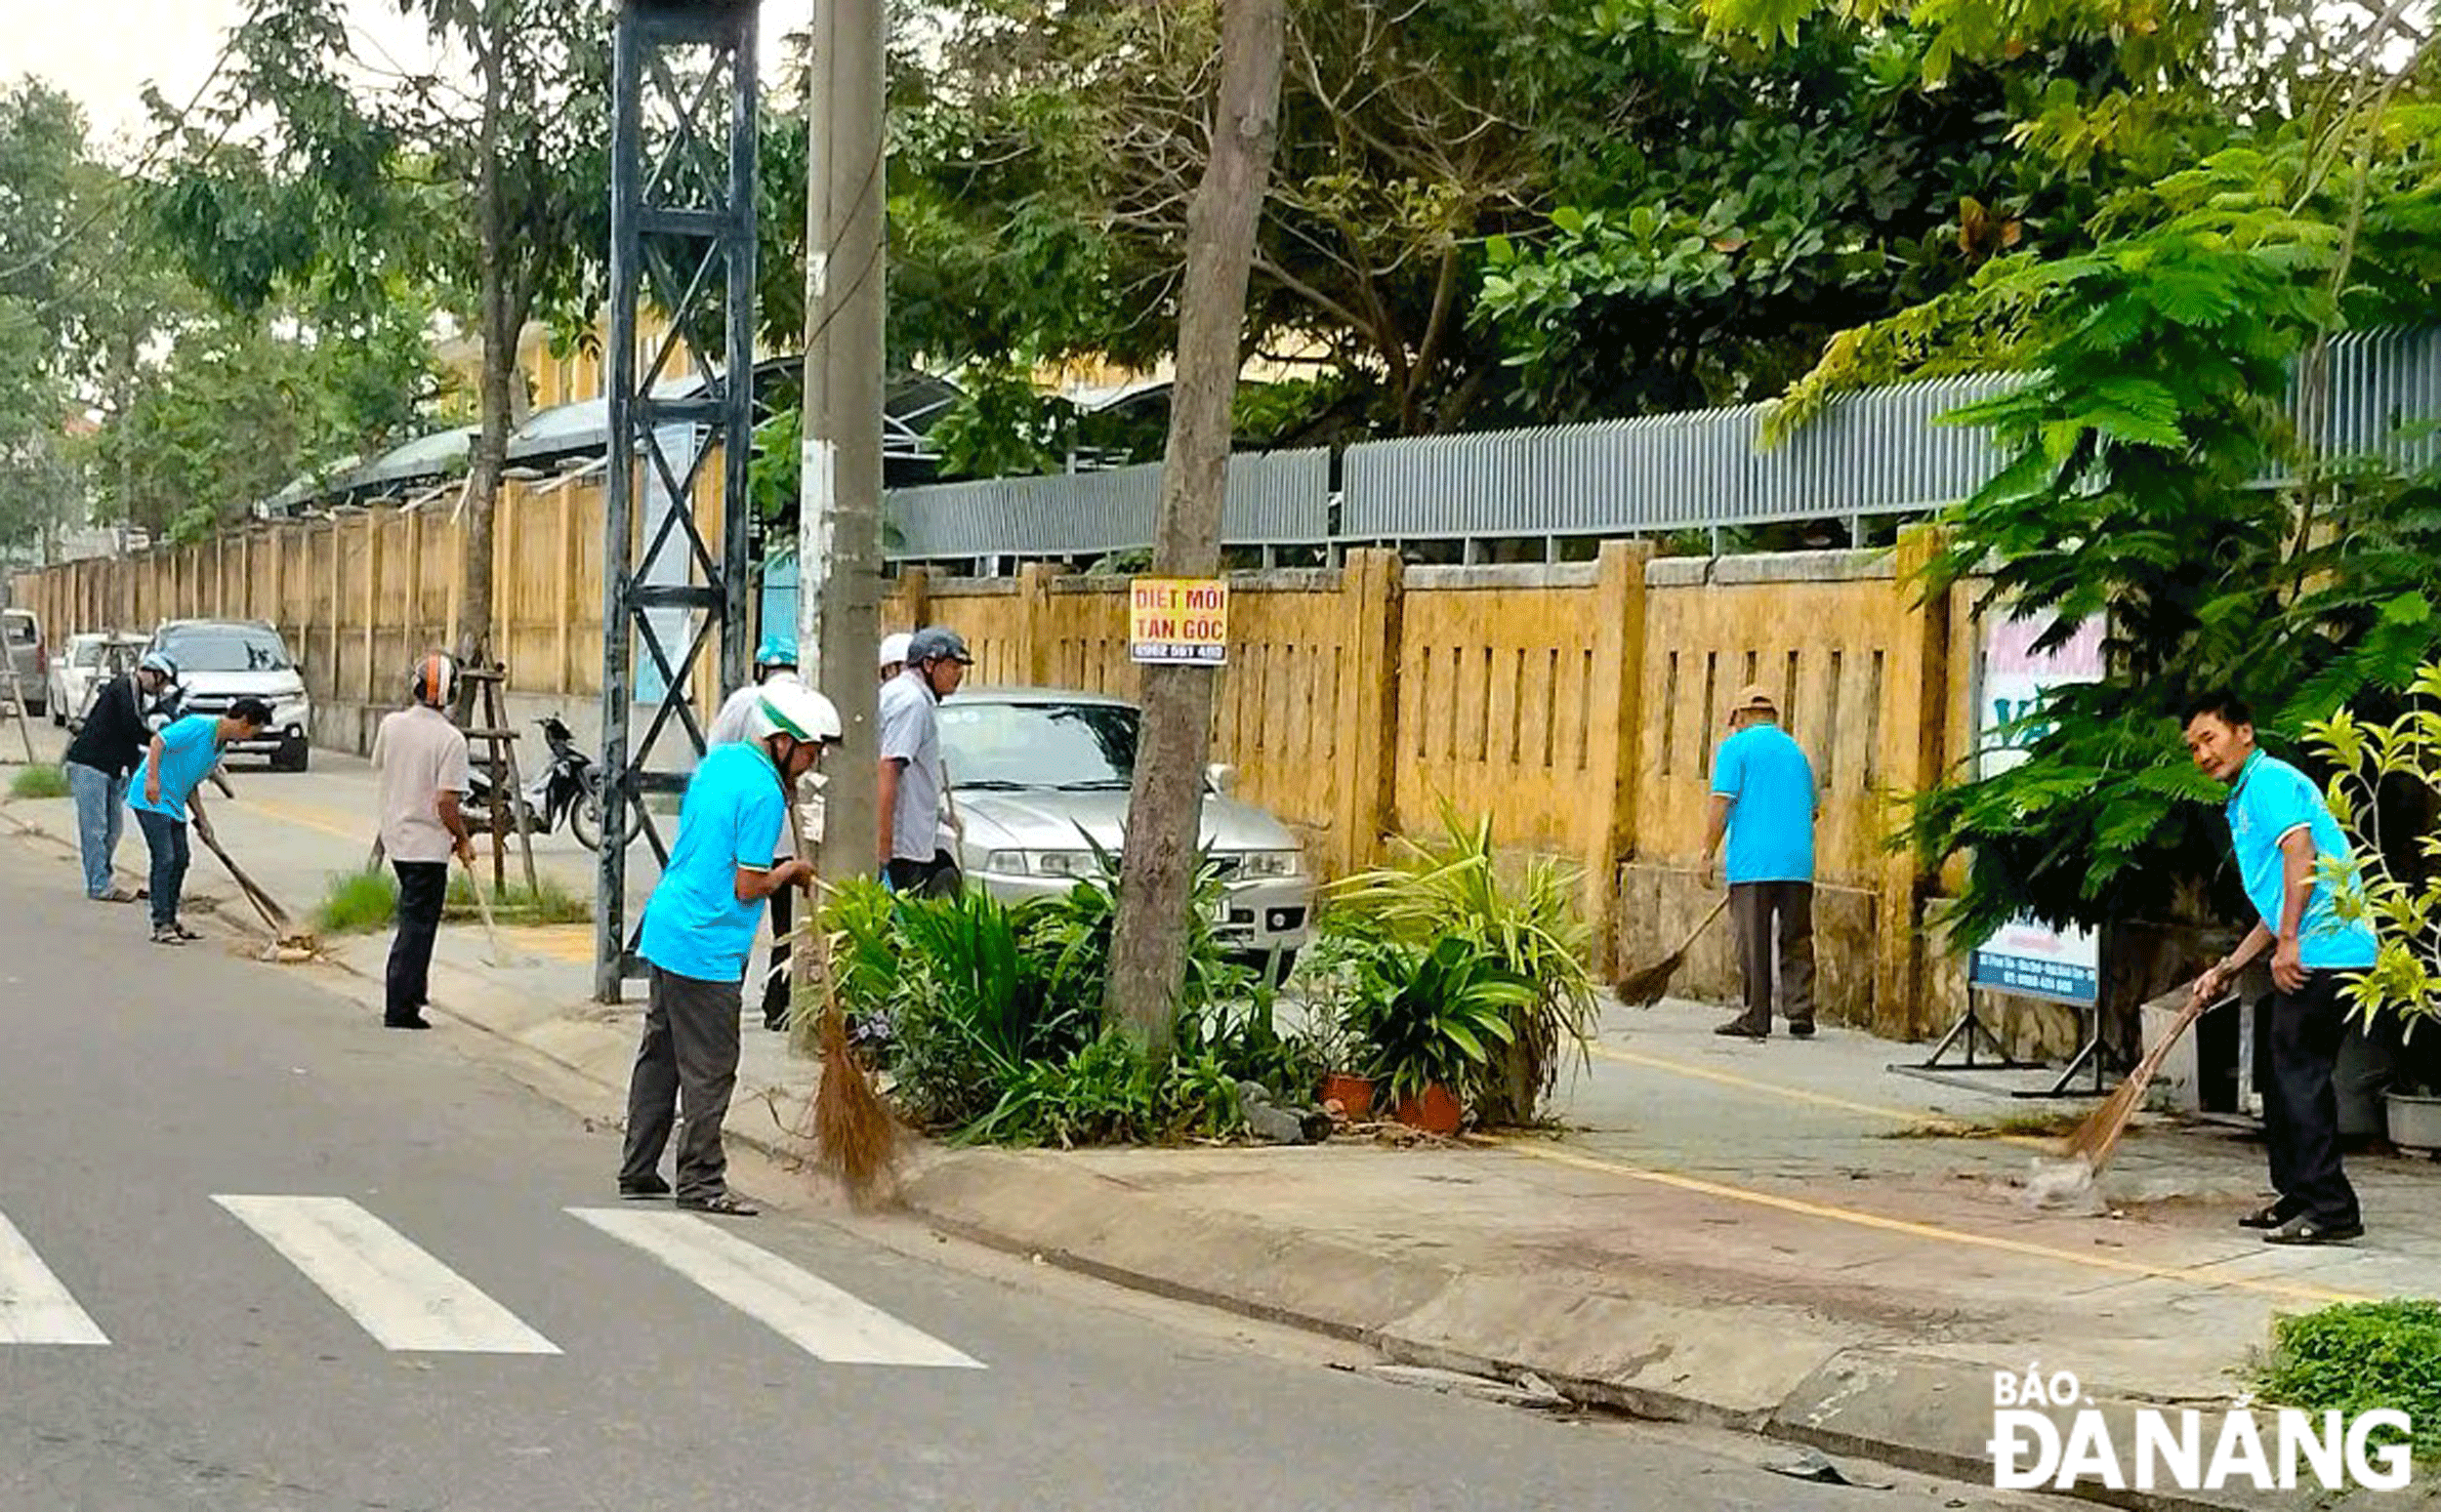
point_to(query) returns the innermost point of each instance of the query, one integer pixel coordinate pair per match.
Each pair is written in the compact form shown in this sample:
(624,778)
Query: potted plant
(1432,1020)
(2397,889)
(1522,918)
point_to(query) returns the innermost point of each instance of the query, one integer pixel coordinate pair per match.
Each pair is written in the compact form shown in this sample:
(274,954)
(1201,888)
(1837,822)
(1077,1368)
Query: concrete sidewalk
(1782,1237)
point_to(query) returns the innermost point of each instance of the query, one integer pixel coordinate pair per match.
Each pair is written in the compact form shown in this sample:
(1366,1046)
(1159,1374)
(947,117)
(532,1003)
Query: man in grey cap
(913,858)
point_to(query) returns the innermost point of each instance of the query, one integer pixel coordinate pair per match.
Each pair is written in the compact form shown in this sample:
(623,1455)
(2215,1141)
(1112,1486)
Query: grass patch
(2359,1356)
(516,904)
(2017,1125)
(42,781)
(357,903)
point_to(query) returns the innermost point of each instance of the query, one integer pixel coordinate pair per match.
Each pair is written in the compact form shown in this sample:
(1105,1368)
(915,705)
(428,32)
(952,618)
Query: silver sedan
(1033,772)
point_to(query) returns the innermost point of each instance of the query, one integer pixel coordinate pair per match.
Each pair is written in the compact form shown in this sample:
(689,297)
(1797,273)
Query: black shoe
(725,1205)
(777,1025)
(1740,1029)
(1803,1031)
(418,1022)
(642,1189)
(2307,1231)
(2271,1215)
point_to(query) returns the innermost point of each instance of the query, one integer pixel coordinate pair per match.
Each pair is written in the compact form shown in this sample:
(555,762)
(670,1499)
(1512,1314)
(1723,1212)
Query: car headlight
(1077,865)
(1272,864)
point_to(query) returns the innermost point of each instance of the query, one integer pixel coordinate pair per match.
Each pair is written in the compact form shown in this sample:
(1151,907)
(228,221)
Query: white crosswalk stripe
(804,1309)
(34,1307)
(398,1293)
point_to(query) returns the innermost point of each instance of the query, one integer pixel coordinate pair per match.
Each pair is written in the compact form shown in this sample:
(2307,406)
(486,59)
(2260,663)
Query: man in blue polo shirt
(2286,838)
(698,931)
(176,763)
(1763,800)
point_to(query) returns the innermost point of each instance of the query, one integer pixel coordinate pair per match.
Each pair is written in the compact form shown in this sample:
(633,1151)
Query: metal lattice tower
(681,243)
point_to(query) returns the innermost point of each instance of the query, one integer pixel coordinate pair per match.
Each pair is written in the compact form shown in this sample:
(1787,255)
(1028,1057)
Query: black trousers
(777,982)
(422,887)
(938,878)
(686,1064)
(1774,923)
(2300,1108)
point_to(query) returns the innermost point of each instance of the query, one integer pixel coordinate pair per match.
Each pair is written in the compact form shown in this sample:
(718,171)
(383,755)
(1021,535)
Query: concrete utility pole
(839,550)
(1165,811)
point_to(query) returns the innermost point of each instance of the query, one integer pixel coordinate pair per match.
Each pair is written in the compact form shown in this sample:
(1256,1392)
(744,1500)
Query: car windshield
(86,653)
(21,629)
(225,649)
(1081,747)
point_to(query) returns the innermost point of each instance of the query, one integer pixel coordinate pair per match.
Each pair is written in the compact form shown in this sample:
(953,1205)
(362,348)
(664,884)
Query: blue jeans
(166,839)
(100,818)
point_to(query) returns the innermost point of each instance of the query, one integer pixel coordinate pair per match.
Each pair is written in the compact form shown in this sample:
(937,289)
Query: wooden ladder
(499,760)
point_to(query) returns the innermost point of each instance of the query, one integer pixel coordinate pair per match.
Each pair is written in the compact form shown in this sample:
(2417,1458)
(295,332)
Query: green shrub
(989,1018)
(2359,1356)
(358,903)
(40,781)
(1524,928)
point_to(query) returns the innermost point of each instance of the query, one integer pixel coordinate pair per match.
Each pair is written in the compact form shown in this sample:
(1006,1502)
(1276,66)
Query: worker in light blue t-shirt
(2285,838)
(697,934)
(1763,801)
(178,758)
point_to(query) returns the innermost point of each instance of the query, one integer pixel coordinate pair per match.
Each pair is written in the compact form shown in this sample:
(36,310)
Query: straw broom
(855,1136)
(1648,985)
(2093,1142)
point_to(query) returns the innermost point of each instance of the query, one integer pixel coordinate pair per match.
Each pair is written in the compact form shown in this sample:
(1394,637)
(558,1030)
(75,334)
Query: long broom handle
(474,886)
(1713,913)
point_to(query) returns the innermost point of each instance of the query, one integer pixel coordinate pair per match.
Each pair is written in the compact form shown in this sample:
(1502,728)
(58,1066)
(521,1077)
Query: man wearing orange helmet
(420,760)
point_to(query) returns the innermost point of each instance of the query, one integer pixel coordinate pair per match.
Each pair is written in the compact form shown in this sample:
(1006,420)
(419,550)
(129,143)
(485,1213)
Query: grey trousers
(1774,923)
(686,1064)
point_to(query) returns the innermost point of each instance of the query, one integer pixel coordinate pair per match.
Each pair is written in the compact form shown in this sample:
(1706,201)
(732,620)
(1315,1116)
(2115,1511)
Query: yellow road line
(1817,1099)
(306,818)
(1873,1220)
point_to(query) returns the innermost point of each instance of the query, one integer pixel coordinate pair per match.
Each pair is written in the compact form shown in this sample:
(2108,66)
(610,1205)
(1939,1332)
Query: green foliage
(43,779)
(2390,771)
(357,903)
(2357,1356)
(2129,493)
(1521,926)
(989,1020)
(1436,1015)
(547,902)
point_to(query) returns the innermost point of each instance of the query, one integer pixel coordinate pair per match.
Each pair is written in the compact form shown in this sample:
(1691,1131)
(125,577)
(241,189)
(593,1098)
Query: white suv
(222,661)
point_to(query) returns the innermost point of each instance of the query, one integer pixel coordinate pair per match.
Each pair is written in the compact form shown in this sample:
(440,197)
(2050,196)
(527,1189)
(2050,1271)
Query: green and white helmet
(795,710)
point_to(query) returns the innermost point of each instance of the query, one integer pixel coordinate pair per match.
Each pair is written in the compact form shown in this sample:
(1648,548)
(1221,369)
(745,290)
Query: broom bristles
(2093,1140)
(855,1137)
(1649,985)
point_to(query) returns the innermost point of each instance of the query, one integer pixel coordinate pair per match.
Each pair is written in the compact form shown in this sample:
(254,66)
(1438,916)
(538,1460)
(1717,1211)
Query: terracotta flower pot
(1354,1094)
(1435,1110)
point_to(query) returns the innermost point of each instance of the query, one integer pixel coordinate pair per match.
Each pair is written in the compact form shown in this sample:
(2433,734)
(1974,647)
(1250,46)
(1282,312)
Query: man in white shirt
(914,855)
(421,758)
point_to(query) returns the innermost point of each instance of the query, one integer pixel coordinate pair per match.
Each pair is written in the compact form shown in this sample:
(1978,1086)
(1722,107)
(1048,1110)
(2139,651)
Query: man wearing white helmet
(698,934)
(894,654)
(106,750)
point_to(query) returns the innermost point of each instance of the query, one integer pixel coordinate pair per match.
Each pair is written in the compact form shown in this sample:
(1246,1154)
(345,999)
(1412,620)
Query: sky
(105,52)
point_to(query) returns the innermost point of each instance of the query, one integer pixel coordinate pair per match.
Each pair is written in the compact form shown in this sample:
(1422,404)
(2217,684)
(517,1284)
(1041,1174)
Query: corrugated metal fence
(1882,452)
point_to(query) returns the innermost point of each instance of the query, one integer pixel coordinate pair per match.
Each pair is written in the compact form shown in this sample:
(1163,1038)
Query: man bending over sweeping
(2284,835)
(181,757)
(698,931)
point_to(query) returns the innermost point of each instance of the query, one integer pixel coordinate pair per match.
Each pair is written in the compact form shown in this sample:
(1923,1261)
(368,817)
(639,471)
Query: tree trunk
(500,357)
(1165,811)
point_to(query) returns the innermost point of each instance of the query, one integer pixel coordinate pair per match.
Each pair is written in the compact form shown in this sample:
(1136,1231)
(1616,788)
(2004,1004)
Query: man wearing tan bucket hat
(1764,802)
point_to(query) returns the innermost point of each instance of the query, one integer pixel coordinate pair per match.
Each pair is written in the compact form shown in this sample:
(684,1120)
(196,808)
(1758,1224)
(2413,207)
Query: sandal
(184,932)
(2271,1215)
(722,1205)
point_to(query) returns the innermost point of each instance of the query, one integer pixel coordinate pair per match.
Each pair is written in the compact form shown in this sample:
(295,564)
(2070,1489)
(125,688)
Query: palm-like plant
(1435,1016)
(1528,927)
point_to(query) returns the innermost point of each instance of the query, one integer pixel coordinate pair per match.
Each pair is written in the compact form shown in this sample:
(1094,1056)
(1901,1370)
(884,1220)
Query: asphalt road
(259,1255)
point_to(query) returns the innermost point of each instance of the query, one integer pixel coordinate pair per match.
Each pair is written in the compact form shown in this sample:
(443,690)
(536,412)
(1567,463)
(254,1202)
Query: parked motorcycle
(565,791)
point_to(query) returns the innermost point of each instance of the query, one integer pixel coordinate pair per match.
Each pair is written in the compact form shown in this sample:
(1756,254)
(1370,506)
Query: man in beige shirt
(422,761)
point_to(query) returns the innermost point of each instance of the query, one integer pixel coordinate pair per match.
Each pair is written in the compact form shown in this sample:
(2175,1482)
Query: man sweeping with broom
(698,934)
(2284,837)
